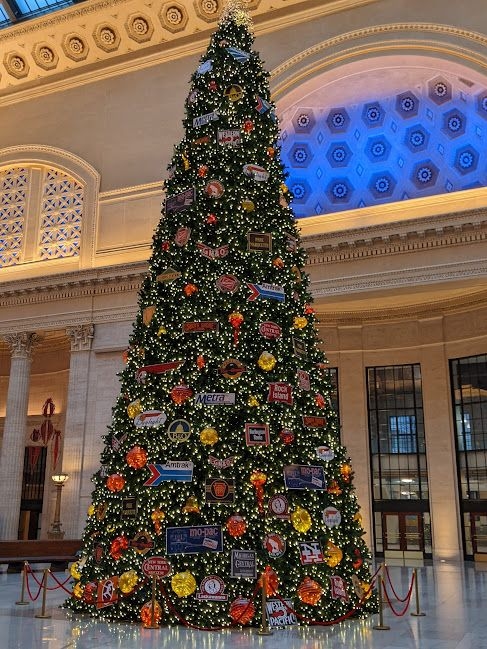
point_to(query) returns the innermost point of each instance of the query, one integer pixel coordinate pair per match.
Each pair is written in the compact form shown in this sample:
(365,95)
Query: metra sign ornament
(106,37)
(45,56)
(75,47)
(16,65)
(174,17)
(139,27)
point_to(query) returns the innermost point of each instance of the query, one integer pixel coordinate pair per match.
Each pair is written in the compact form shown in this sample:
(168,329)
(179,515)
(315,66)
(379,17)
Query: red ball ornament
(90,592)
(287,436)
(202,171)
(242,610)
(213,85)
(146,615)
(115,482)
(165,246)
(236,525)
(309,591)
(189,289)
(136,457)
(248,126)
(200,362)
(320,400)
(308,309)
(118,546)
(271,152)
(211,219)
(358,561)
(181,393)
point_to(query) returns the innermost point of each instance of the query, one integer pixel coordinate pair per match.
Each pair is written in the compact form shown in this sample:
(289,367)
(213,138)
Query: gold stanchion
(381,626)
(418,612)
(43,613)
(153,623)
(24,581)
(264,624)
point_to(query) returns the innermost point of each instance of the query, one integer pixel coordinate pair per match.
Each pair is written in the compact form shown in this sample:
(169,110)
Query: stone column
(81,337)
(13,445)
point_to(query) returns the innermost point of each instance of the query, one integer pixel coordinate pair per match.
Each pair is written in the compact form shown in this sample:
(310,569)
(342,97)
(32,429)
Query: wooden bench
(60,552)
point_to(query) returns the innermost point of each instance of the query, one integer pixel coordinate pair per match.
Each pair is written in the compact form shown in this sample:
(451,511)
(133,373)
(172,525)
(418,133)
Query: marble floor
(452,595)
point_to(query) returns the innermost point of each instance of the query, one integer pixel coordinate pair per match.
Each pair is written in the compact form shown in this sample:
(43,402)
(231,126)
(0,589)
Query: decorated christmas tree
(223,458)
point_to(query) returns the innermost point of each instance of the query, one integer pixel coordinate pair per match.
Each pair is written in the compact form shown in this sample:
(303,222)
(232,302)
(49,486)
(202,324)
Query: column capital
(21,344)
(81,337)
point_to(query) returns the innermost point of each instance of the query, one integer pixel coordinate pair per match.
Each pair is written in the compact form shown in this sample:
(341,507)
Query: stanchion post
(22,591)
(381,626)
(264,624)
(153,624)
(418,612)
(43,613)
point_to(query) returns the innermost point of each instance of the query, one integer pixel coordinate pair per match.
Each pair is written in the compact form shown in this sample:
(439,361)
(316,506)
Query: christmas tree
(223,456)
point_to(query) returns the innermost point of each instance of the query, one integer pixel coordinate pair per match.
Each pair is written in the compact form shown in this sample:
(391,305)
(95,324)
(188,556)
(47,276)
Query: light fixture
(56,532)
(407,480)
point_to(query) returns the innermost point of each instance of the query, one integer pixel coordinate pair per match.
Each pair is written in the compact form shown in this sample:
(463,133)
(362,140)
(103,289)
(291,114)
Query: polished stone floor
(453,597)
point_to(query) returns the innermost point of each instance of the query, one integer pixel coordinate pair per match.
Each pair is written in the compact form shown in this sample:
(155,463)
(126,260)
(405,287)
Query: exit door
(403,531)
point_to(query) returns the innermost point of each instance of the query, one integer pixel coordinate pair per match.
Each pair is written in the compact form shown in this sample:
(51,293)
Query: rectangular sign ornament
(172,471)
(220,490)
(193,540)
(298,476)
(180,202)
(215,399)
(280,613)
(259,242)
(200,327)
(257,435)
(243,564)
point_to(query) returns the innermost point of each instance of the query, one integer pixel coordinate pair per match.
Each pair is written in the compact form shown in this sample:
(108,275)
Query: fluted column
(81,337)
(13,445)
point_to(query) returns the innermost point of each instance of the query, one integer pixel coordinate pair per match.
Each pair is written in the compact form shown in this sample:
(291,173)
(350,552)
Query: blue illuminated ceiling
(428,137)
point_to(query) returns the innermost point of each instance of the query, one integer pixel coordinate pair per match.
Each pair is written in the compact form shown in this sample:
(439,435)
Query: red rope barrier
(27,572)
(60,584)
(392,587)
(408,597)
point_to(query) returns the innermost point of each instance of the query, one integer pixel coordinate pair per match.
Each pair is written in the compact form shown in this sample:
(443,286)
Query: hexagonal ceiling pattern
(427,138)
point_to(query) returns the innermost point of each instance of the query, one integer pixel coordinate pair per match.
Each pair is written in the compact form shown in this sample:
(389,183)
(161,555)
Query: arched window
(47,206)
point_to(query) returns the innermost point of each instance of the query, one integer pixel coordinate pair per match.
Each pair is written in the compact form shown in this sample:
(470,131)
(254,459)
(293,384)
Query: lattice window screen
(61,216)
(14,186)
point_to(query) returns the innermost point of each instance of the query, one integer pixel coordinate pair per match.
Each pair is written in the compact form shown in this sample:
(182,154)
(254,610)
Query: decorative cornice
(96,40)
(414,310)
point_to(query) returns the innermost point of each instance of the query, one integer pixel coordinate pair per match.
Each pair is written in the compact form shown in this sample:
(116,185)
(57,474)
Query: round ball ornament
(358,518)
(310,591)
(266,361)
(115,482)
(301,520)
(287,436)
(211,219)
(278,263)
(346,472)
(248,126)
(90,592)
(157,517)
(253,402)
(200,361)
(334,554)
(136,457)
(146,614)
(128,581)
(320,400)
(181,393)
(190,289)
(242,610)
(209,436)
(118,546)
(300,322)
(183,584)
(236,525)
(134,408)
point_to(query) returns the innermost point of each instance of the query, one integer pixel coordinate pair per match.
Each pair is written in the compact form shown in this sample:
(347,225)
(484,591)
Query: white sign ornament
(150,418)
(325,453)
(332,517)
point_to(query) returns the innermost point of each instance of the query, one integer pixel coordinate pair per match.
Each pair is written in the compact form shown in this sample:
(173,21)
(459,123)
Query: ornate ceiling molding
(96,40)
